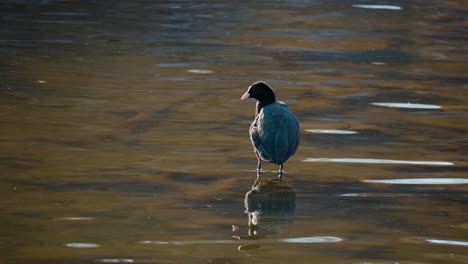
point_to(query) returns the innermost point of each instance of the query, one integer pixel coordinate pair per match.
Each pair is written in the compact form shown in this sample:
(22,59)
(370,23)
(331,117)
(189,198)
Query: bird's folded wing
(275,133)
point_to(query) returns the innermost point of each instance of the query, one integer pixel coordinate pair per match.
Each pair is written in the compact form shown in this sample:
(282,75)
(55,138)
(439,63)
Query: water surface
(121,123)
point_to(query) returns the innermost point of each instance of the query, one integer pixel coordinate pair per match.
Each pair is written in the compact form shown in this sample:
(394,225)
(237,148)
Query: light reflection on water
(121,123)
(422,181)
(387,7)
(82,245)
(121,260)
(332,131)
(379,161)
(448,242)
(317,239)
(76,218)
(408,105)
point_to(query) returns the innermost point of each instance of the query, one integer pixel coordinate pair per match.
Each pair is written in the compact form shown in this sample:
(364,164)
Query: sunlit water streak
(200,71)
(155,242)
(448,242)
(391,195)
(388,7)
(77,218)
(82,245)
(117,260)
(422,181)
(408,105)
(317,239)
(125,260)
(379,161)
(331,131)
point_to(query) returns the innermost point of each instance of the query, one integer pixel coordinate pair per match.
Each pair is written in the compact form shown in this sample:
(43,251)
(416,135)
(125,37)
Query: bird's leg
(280,171)
(259,167)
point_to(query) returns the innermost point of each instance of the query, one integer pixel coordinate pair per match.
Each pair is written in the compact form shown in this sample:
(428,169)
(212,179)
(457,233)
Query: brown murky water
(123,139)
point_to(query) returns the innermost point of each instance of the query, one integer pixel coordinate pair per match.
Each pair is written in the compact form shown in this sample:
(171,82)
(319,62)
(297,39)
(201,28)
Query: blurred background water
(123,139)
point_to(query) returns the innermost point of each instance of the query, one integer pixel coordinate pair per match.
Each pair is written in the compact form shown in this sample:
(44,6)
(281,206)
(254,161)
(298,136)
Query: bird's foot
(280,172)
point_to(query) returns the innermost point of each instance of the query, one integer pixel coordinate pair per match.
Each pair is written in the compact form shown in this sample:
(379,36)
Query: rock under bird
(275,130)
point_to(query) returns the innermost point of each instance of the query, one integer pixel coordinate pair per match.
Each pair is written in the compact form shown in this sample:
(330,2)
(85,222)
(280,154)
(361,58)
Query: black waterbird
(275,130)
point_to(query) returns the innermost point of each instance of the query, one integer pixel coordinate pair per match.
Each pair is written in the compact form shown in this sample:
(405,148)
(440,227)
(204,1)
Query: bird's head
(260,91)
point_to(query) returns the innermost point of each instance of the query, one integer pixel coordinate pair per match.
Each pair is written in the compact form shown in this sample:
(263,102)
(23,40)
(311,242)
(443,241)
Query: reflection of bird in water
(275,131)
(270,200)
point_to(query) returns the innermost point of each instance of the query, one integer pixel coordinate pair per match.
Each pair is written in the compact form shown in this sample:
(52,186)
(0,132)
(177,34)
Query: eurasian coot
(275,131)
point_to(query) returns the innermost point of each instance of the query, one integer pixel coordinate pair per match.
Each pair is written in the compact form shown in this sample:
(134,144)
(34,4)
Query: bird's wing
(293,135)
(277,132)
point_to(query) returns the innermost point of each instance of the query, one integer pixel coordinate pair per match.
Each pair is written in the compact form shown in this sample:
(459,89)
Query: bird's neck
(263,103)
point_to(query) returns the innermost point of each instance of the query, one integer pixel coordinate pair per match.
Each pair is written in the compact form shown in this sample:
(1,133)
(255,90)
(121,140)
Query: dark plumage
(275,131)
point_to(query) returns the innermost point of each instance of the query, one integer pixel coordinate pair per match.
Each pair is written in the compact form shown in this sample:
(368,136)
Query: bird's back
(275,133)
